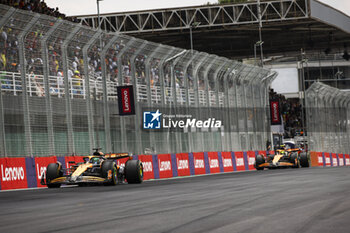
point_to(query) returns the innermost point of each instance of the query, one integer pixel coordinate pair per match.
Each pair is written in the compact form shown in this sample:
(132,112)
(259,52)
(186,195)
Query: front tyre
(109,168)
(304,160)
(52,172)
(134,171)
(295,160)
(259,159)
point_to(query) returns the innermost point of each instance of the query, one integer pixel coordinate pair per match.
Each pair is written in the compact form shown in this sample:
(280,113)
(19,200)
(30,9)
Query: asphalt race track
(288,200)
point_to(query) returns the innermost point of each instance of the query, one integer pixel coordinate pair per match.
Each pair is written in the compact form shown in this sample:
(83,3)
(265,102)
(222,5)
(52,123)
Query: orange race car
(97,168)
(282,158)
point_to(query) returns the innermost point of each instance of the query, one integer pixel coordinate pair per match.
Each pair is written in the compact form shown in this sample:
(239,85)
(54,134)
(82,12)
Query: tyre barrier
(20,173)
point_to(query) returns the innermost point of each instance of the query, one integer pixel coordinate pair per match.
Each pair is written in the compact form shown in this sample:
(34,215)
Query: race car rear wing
(118,156)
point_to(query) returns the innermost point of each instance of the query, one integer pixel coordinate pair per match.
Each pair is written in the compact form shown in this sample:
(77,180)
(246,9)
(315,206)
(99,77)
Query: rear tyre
(53,172)
(295,160)
(106,167)
(134,172)
(259,159)
(304,160)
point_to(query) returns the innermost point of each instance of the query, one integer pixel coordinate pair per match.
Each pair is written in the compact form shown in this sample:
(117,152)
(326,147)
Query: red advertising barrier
(76,159)
(335,160)
(239,161)
(262,152)
(341,159)
(147,163)
(319,158)
(251,159)
(183,164)
(40,167)
(165,166)
(347,160)
(213,162)
(227,161)
(198,161)
(327,157)
(13,173)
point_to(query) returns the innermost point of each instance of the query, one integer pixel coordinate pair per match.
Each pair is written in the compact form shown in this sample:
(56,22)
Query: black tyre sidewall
(105,167)
(304,160)
(52,172)
(259,159)
(133,168)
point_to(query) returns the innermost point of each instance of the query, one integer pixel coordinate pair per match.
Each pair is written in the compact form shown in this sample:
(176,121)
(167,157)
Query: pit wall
(20,173)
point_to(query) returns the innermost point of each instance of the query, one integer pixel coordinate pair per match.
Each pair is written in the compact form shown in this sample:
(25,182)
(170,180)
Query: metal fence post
(67,85)
(3,150)
(106,113)
(45,57)
(27,125)
(137,118)
(123,134)
(89,107)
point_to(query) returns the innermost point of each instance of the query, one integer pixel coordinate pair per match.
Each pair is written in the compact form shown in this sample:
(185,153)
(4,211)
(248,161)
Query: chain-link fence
(328,121)
(59,91)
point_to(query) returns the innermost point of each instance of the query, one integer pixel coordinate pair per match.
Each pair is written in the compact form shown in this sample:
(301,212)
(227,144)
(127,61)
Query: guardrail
(11,83)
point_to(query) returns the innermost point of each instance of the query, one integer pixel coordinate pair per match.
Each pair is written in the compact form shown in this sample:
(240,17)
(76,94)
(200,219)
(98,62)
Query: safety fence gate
(59,92)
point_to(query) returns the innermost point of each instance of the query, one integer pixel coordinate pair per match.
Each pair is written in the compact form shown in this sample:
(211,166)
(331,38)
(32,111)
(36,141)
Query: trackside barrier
(19,173)
(321,159)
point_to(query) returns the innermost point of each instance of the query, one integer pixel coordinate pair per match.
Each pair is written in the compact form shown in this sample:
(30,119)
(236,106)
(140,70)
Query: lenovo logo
(126,100)
(12,173)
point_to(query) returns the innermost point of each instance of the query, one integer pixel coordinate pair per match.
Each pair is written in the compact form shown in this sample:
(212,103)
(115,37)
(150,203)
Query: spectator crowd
(291,114)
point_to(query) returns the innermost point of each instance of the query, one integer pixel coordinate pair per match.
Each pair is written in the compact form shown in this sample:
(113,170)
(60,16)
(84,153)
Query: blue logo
(151,120)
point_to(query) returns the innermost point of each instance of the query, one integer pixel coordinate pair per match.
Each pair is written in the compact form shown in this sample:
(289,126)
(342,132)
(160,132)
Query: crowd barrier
(19,173)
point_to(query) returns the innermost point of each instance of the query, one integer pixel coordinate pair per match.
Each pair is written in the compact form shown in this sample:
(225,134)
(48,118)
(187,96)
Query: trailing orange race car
(98,168)
(283,158)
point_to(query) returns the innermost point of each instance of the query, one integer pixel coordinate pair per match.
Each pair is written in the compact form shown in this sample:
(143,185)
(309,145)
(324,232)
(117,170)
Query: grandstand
(70,73)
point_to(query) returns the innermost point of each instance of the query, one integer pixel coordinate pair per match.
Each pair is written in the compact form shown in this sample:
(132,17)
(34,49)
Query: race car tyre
(304,160)
(259,159)
(52,172)
(105,168)
(295,160)
(134,171)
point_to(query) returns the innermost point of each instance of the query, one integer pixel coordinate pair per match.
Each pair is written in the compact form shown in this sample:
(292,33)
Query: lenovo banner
(183,164)
(41,164)
(227,161)
(147,164)
(13,173)
(275,112)
(199,164)
(126,100)
(165,166)
(240,161)
(213,162)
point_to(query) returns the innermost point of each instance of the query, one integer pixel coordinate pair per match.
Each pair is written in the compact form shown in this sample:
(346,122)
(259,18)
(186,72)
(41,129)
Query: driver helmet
(95,160)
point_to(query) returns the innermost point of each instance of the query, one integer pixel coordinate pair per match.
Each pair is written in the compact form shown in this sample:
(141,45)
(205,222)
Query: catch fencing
(328,121)
(59,91)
